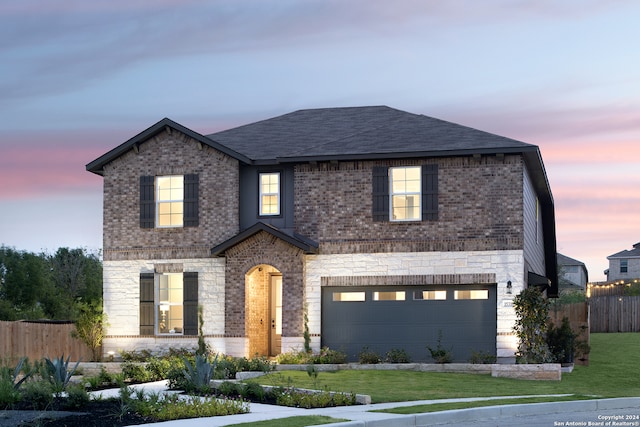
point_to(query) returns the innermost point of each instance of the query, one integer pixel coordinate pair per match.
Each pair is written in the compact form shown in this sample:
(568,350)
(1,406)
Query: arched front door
(263,305)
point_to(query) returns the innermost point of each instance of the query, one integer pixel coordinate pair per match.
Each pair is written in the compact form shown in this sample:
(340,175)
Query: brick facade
(480,207)
(166,154)
(260,249)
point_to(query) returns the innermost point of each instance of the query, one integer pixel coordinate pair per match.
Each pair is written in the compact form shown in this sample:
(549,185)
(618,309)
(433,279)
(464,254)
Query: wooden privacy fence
(36,340)
(579,319)
(615,313)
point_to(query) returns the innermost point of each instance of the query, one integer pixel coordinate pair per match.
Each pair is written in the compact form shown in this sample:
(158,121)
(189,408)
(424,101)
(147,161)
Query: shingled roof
(357,133)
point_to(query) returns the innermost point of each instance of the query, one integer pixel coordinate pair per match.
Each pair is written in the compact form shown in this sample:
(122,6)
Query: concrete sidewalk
(361,415)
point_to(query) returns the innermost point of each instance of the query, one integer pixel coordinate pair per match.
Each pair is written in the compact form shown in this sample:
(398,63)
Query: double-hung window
(169,200)
(624,266)
(401,194)
(270,194)
(405,185)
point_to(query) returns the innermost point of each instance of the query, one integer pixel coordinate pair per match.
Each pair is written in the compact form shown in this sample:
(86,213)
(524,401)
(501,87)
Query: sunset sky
(77,78)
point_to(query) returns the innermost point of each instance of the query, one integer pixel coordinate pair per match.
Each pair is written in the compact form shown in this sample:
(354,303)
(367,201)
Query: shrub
(230,389)
(77,397)
(397,355)
(482,357)
(367,356)
(440,354)
(254,391)
(159,368)
(135,372)
(330,356)
(8,393)
(561,342)
(532,311)
(39,394)
(325,356)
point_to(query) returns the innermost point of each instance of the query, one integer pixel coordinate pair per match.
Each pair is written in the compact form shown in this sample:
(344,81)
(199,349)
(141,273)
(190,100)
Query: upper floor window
(270,193)
(405,184)
(405,193)
(169,200)
(624,266)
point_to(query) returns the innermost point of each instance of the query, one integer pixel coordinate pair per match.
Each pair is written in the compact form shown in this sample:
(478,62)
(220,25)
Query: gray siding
(533,232)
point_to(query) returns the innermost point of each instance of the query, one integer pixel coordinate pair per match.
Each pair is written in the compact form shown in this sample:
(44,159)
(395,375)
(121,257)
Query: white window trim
(158,202)
(261,194)
(418,193)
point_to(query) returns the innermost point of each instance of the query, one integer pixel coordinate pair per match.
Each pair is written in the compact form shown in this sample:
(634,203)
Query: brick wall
(480,207)
(263,248)
(164,154)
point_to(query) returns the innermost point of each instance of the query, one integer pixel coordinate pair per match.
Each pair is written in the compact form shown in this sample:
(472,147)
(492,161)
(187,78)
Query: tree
(532,309)
(90,326)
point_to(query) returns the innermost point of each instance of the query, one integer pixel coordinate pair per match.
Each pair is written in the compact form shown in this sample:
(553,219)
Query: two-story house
(572,275)
(370,226)
(624,265)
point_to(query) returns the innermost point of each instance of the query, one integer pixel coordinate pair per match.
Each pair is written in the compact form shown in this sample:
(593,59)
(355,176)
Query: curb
(492,412)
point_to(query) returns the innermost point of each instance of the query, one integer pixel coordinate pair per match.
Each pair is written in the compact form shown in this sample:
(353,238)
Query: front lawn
(613,372)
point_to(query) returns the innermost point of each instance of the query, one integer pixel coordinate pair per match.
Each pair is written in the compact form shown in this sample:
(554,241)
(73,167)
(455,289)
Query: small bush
(8,393)
(397,355)
(482,357)
(440,354)
(367,357)
(329,356)
(135,372)
(77,397)
(230,389)
(39,394)
(254,391)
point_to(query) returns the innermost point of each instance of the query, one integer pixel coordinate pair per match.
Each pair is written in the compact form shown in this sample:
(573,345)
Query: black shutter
(147,311)
(147,202)
(190,303)
(430,192)
(380,205)
(191,200)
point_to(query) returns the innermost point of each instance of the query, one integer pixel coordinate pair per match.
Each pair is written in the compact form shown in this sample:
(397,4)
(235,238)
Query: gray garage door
(410,318)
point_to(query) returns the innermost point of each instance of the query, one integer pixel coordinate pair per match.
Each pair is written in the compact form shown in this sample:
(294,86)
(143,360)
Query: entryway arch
(263,310)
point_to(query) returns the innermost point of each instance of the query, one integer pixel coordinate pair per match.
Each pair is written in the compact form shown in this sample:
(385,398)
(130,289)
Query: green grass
(419,409)
(310,420)
(613,372)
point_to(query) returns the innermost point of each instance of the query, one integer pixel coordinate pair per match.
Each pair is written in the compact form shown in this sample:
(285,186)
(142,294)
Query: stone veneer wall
(122,303)
(437,267)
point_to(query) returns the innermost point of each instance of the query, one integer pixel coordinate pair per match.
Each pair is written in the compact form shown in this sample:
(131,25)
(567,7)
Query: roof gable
(165,124)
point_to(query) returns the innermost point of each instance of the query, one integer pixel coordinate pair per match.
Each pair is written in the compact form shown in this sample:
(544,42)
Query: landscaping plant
(532,311)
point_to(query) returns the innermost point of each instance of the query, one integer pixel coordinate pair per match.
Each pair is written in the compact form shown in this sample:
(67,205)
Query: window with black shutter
(381,202)
(174,203)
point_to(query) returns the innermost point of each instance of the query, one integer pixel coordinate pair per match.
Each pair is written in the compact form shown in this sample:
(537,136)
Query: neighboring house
(624,265)
(380,227)
(573,274)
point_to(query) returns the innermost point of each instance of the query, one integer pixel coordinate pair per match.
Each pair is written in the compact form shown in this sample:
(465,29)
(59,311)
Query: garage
(410,318)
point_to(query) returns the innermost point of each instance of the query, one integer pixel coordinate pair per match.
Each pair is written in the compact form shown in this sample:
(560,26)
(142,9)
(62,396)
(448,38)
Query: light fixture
(509,286)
